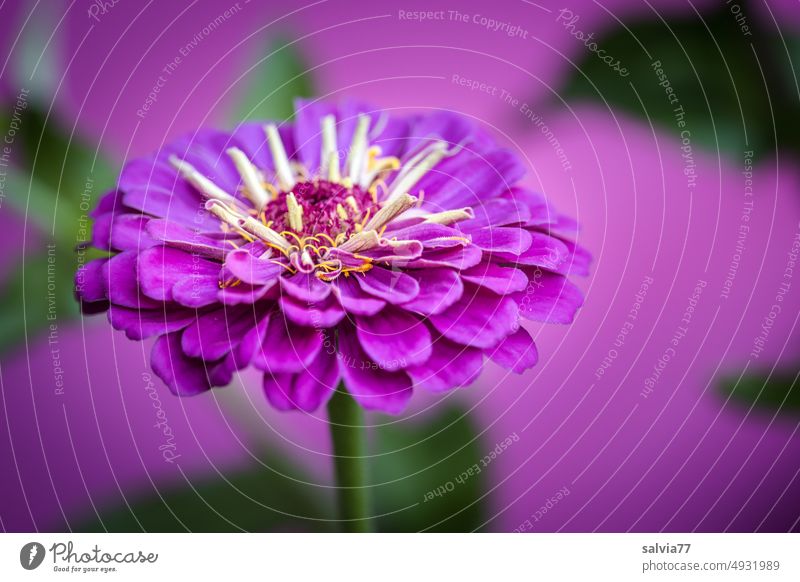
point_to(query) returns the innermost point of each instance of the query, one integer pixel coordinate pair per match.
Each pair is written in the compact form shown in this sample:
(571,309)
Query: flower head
(350,245)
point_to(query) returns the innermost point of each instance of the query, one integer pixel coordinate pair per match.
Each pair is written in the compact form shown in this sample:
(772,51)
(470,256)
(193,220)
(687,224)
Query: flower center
(321,207)
(326,222)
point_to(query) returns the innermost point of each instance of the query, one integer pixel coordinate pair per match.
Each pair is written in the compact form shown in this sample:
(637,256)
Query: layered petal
(501,280)
(451,365)
(372,387)
(306,390)
(439,288)
(393,286)
(517,352)
(287,347)
(548,297)
(394,338)
(160,267)
(183,375)
(479,319)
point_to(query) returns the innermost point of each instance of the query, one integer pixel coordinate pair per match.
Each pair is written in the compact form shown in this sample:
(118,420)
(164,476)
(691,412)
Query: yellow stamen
(327,237)
(353,204)
(228,217)
(295,212)
(284,265)
(358,148)
(265,233)
(254,187)
(283,170)
(450,216)
(199,181)
(333,168)
(391,209)
(328,155)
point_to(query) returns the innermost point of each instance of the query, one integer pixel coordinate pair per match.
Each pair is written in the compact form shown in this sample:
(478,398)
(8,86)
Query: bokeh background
(669,405)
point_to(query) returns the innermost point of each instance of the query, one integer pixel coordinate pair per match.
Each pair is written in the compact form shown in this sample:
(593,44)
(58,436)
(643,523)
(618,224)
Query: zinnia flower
(386,252)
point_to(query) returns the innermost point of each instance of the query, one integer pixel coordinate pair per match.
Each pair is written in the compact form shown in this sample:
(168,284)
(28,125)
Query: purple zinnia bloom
(350,245)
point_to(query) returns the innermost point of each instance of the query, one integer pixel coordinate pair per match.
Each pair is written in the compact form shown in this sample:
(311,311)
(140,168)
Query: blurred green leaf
(53,182)
(39,55)
(779,392)
(65,164)
(729,84)
(36,202)
(255,499)
(38,295)
(273,84)
(415,461)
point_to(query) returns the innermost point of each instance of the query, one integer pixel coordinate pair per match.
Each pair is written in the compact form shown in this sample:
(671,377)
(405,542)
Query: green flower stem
(346,420)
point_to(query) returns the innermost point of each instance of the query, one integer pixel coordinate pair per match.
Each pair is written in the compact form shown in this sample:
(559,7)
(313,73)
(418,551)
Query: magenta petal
(449,126)
(577,261)
(501,280)
(353,299)
(221,372)
(278,390)
(128,231)
(183,375)
(497,212)
(544,251)
(372,388)
(517,352)
(89,284)
(391,286)
(306,390)
(154,187)
(109,203)
(463,183)
(319,315)
(462,257)
(251,269)
(549,297)
(101,231)
(479,319)
(450,365)
(122,288)
(210,245)
(305,287)
(213,335)
(428,234)
(139,324)
(242,294)
(161,267)
(394,338)
(287,347)
(196,291)
(505,239)
(251,341)
(438,290)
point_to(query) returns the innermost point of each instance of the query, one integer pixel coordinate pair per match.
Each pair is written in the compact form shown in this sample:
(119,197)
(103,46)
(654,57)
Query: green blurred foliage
(270,496)
(738,91)
(777,392)
(36,296)
(54,183)
(410,462)
(273,84)
(415,460)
